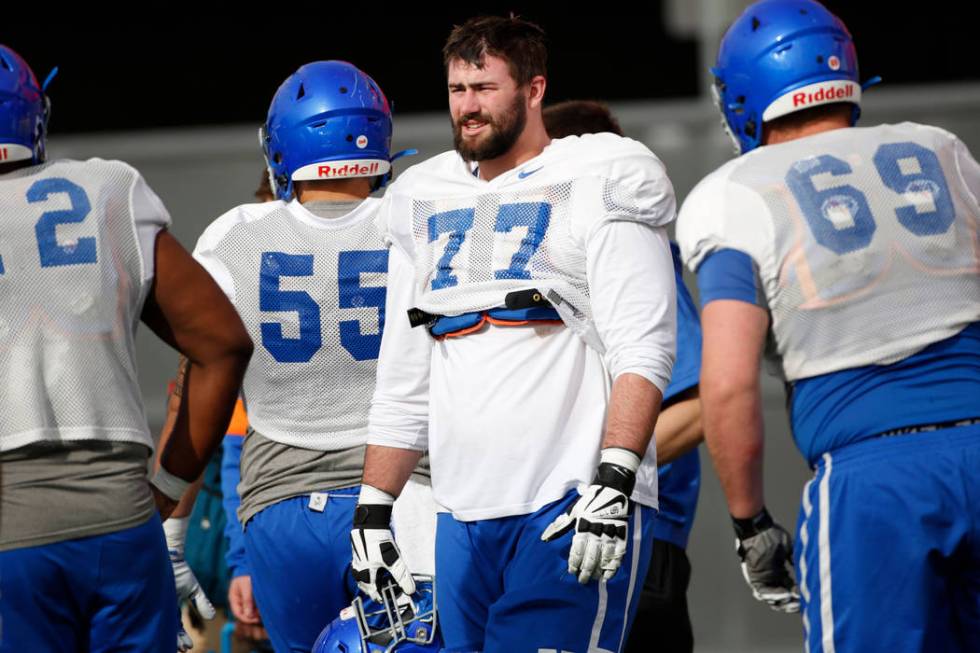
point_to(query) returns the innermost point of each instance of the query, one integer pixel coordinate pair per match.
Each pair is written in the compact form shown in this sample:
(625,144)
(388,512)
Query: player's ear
(535,93)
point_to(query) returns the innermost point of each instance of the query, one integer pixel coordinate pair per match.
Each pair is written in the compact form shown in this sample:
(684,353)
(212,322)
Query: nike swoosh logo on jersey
(524,174)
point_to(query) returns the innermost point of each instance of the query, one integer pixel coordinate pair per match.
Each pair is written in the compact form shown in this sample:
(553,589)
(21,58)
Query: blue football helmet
(778,57)
(24,110)
(399,623)
(328,120)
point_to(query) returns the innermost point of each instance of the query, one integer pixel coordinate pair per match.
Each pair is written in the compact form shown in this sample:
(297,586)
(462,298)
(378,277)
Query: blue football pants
(111,593)
(300,562)
(888,545)
(500,589)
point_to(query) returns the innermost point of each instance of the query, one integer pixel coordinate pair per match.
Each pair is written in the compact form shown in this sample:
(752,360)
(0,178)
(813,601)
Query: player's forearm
(734,336)
(633,408)
(389,468)
(210,392)
(679,429)
(734,435)
(186,504)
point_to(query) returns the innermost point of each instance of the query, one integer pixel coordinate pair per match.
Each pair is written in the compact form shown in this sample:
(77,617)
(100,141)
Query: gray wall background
(201,173)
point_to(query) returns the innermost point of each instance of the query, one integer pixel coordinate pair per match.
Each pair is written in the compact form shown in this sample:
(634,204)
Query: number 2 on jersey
(51,252)
(352,294)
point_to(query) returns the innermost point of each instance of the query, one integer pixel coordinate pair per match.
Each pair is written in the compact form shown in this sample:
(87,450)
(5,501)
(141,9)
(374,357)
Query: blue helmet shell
(24,110)
(328,120)
(397,625)
(778,57)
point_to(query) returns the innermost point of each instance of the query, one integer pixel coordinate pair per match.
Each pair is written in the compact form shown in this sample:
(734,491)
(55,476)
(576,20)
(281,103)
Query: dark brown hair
(518,42)
(577,117)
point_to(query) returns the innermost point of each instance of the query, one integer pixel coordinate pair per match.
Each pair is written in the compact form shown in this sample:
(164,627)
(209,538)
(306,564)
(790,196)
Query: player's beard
(504,132)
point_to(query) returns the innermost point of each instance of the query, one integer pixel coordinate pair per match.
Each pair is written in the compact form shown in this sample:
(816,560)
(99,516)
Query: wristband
(751,526)
(372,495)
(373,508)
(617,469)
(172,486)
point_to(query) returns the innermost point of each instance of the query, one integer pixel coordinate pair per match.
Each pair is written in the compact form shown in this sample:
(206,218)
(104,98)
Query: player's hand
(184,641)
(242,601)
(164,504)
(188,588)
(766,551)
(375,557)
(251,632)
(599,518)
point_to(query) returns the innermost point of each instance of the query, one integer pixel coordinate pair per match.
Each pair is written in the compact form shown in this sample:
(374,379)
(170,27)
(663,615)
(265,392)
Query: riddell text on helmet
(348,170)
(823,94)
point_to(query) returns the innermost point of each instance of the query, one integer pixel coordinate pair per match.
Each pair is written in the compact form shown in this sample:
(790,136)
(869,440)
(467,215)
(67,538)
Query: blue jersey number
(457,223)
(271,298)
(350,265)
(915,172)
(533,215)
(906,168)
(843,202)
(51,252)
(352,295)
(536,216)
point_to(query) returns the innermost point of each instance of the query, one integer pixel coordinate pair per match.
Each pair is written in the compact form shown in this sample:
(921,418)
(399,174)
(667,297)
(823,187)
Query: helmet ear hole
(277,157)
(343,90)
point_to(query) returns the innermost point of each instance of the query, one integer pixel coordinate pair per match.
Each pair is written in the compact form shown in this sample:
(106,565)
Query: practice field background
(202,172)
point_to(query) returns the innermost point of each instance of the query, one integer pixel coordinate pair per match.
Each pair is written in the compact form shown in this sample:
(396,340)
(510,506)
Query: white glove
(375,559)
(188,589)
(766,552)
(599,518)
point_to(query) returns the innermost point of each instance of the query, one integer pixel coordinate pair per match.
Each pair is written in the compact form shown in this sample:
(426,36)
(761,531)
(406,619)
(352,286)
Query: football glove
(375,558)
(188,589)
(766,552)
(599,518)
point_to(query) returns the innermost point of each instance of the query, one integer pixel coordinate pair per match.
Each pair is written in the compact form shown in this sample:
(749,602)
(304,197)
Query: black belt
(925,428)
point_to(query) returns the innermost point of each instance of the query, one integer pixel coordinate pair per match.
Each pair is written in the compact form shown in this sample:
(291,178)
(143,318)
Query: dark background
(178,73)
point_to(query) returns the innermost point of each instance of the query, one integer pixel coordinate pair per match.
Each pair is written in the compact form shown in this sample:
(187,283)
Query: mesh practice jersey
(311,292)
(76,262)
(474,241)
(513,417)
(865,241)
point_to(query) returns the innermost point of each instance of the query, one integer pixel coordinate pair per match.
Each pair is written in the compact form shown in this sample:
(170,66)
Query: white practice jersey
(474,241)
(865,240)
(513,417)
(76,263)
(311,292)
